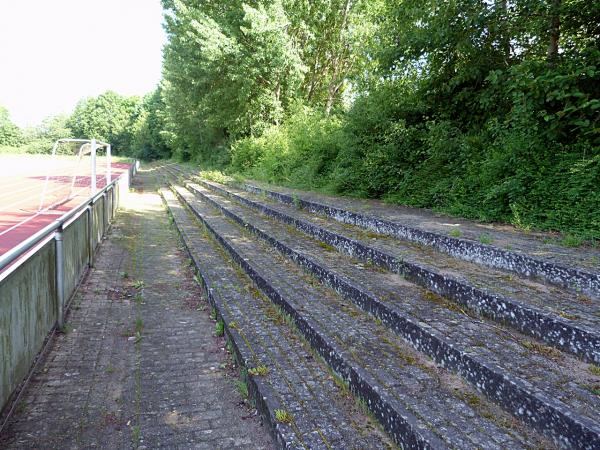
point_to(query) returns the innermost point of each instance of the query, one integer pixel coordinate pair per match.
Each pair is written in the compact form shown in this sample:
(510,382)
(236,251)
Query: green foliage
(229,71)
(480,109)
(300,152)
(10,134)
(41,139)
(133,127)
(150,140)
(237,69)
(108,117)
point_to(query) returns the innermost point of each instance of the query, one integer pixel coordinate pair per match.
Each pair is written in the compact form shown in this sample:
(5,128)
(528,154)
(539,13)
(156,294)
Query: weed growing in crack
(259,371)
(485,239)
(138,284)
(242,388)
(220,328)
(296,201)
(593,389)
(326,246)
(595,370)
(455,233)
(135,435)
(282,416)
(66,328)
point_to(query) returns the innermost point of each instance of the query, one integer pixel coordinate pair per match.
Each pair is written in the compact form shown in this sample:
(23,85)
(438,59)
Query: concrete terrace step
(530,254)
(527,253)
(416,400)
(512,370)
(558,317)
(295,382)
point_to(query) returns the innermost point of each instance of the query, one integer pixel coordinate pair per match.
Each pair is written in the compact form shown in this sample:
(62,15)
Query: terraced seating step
(297,394)
(370,356)
(545,388)
(497,361)
(528,253)
(555,315)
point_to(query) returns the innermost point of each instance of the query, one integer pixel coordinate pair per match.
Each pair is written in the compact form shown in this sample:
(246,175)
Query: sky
(55,52)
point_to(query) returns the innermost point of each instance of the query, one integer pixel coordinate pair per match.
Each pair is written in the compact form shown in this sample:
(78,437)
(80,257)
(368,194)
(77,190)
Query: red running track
(21,192)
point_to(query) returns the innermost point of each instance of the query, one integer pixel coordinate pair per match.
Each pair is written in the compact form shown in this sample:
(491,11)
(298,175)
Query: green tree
(10,134)
(150,141)
(230,70)
(108,117)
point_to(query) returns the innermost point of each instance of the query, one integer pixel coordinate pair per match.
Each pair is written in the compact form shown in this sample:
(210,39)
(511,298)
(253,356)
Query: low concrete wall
(28,295)
(28,311)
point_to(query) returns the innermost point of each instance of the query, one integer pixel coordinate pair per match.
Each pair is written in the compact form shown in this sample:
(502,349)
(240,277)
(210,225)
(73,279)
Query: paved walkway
(139,365)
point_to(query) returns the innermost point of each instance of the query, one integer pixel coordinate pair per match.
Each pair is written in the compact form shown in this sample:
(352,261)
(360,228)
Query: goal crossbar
(88,146)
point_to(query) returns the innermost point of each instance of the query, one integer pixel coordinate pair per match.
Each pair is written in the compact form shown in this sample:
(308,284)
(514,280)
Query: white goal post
(88,146)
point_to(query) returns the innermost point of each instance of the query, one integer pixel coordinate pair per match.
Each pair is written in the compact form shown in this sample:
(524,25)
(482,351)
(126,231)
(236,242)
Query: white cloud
(55,52)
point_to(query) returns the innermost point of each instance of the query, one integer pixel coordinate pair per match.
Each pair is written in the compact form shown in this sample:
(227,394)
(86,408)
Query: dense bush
(301,152)
(484,111)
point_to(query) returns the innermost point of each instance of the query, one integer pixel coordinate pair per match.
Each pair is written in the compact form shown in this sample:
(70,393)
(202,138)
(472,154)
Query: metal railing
(55,230)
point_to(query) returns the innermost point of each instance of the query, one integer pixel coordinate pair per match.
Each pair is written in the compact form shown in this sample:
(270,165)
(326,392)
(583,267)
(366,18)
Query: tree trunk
(504,30)
(554,31)
(336,83)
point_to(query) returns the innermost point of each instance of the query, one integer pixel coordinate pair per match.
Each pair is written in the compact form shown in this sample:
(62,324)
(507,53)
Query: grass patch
(485,239)
(455,233)
(242,388)
(215,175)
(259,371)
(282,416)
(595,370)
(219,328)
(572,240)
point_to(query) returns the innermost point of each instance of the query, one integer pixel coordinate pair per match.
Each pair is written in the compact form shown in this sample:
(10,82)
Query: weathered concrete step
(534,389)
(527,261)
(532,313)
(401,386)
(295,382)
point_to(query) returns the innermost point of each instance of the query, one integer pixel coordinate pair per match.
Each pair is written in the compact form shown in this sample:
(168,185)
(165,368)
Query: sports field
(37,189)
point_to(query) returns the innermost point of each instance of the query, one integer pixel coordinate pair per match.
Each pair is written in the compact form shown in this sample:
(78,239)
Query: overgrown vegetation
(487,110)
